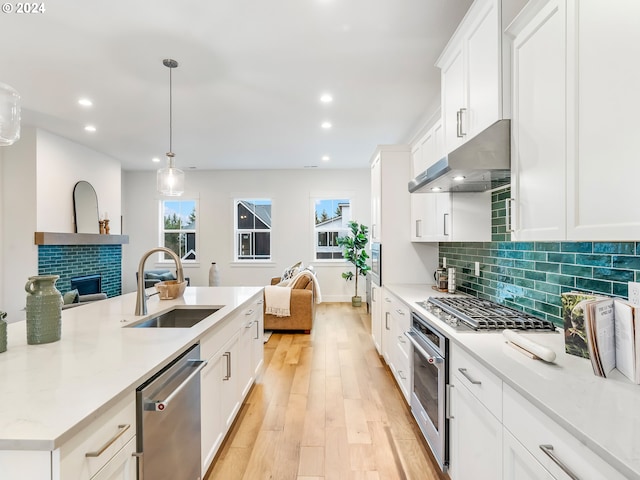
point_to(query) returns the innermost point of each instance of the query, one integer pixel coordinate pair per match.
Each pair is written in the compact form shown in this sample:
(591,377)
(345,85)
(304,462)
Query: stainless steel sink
(176,318)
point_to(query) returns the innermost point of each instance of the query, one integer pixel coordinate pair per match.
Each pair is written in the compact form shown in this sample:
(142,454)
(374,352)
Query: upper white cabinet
(475,72)
(376,199)
(574,101)
(539,127)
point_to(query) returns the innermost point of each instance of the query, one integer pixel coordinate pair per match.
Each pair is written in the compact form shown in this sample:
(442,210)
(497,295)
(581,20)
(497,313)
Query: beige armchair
(302,307)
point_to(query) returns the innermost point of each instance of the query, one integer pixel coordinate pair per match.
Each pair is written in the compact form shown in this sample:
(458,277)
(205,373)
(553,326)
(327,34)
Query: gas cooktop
(483,315)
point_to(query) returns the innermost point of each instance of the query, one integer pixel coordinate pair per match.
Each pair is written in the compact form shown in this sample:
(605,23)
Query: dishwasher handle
(161,405)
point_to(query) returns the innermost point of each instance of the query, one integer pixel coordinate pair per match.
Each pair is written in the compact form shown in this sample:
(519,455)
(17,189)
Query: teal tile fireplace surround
(531,276)
(77,260)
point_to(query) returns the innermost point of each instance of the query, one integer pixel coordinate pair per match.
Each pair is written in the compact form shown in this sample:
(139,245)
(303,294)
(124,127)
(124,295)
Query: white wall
(37,177)
(19,254)
(61,164)
(292,235)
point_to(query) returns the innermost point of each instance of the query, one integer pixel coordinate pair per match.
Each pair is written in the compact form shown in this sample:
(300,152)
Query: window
(179,228)
(253,229)
(331,221)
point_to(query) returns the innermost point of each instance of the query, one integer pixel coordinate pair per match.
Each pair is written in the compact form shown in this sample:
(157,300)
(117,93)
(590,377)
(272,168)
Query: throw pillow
(291,272)
(167,276)
(71,296)
(152,276)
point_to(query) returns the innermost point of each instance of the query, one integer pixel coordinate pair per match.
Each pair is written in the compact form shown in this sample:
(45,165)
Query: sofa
(151,277)
(302,307)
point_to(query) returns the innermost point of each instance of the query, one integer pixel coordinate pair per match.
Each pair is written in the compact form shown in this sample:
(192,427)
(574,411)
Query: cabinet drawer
(483,384)
(538,433)
(88,451)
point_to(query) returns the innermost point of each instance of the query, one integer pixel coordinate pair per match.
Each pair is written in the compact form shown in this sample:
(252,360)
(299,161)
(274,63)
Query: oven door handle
(432,358)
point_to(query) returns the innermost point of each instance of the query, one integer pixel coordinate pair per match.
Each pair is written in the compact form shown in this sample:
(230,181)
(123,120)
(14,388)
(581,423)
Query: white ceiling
(246,92)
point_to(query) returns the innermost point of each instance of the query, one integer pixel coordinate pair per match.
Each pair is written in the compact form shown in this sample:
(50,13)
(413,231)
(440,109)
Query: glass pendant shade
(9,115)
(170,180)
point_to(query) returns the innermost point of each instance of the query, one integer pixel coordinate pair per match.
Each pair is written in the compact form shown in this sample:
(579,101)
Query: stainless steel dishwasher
(168,421)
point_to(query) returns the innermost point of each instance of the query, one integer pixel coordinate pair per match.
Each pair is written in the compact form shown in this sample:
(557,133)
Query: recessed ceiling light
(85,102)
(325,158)
(459,178)
(436,189)
(326,125)
(326,98)
(155,160)
(90,128)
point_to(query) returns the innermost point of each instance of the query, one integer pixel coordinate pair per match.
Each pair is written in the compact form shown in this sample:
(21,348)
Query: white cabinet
(475,437)
(575,100)
(453,217)
(552,446)
(518,463)
(539,126)
(376,316)
(475,419)
(123,465)
(475,90)
(397,349)
(234,351)
(101,443)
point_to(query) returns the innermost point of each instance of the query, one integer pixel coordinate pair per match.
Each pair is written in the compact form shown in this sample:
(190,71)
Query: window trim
(236,231)
(161,230)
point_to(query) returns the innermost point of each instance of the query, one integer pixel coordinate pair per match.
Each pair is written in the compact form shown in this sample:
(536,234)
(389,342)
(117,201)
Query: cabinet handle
(447,403)
(458,124)
(228,375)
(401,339)
(511,215)
(386,321)
(444,225)
(387,299)
(462,132)
(257,330)
(97,453)
(248,325)
(463,371)
(401,375)
(250,312)
(548,451)
(399,312)
(373,294)
(418,228)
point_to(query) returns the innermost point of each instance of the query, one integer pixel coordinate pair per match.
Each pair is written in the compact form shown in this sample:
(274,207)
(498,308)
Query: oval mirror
(85,208)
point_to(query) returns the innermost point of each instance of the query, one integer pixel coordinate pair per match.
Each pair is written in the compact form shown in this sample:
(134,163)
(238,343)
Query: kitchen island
(52,392)
(600,413)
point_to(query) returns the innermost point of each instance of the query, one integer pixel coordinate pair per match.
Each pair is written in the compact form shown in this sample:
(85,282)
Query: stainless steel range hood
(481,164)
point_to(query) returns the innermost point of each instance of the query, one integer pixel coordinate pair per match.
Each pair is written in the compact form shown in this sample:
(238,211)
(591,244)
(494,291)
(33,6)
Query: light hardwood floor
(326,407)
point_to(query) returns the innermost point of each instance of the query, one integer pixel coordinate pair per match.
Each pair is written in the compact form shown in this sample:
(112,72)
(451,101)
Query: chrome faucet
(141,296)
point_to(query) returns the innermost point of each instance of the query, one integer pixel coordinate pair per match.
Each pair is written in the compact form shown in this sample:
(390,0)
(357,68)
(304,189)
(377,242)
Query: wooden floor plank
(326,407)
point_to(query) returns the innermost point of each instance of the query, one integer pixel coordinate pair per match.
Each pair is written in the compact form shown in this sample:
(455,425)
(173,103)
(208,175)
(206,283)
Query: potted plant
(353,251)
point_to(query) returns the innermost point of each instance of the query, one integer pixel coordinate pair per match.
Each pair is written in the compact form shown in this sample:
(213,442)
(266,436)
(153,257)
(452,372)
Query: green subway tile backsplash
(531,276)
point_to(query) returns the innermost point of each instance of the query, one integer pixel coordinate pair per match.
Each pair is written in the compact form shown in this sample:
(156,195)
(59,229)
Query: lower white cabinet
(100,443)
(122,466)
(376,316)
(234,350)
(518,463)
(553,447)
(475,436)
(397,349)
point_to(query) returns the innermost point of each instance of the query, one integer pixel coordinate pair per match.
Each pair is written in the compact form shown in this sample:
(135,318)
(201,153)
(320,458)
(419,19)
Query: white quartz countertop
(604,414)
(47,392)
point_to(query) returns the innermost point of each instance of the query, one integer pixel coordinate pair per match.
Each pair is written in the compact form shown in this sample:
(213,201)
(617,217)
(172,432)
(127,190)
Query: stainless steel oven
(376,263)
(430,379)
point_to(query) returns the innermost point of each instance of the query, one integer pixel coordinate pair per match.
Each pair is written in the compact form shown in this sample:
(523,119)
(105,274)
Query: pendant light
(9,115)
(170,178)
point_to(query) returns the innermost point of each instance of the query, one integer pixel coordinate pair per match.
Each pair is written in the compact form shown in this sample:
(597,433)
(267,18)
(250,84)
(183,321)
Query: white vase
(214,275)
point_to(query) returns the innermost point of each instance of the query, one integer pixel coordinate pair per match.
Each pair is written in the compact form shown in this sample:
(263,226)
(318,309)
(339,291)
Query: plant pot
(356,301)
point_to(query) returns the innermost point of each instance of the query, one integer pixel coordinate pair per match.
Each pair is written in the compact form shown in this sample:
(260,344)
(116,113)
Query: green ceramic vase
(44,309)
